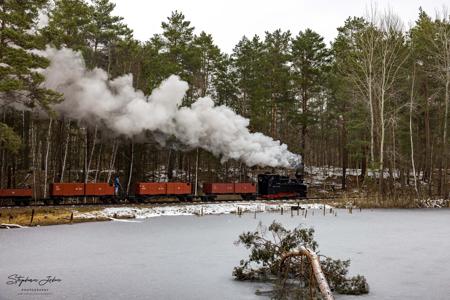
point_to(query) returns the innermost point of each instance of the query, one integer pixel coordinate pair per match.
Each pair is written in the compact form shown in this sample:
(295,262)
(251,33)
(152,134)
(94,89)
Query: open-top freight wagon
(269,186)
(157,190)
(16,196)
(62,191)
(246,191)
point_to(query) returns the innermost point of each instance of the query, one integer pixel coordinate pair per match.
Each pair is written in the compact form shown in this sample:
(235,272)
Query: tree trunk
(197,156)
(317,270)
(344,154)
(170,165)
(47,150)
(130,170)
(428,156)
(113,160)
(97,167)
(411,104)
(363,164)
(94,139)
(445,151)
(66,149)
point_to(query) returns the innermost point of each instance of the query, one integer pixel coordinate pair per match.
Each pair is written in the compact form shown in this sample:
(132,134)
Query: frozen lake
(403,253)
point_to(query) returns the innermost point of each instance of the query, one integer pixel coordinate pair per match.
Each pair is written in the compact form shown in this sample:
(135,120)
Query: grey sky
(228,21)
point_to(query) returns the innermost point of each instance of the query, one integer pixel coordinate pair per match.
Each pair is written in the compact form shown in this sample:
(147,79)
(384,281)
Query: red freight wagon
(179,188)
(98,189)
(66,189)
(245,188)
(15,193)
(150,188)
(218,188)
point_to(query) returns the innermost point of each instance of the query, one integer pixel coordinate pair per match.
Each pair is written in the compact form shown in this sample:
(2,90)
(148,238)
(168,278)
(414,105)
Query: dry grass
(43,216)
(375,201)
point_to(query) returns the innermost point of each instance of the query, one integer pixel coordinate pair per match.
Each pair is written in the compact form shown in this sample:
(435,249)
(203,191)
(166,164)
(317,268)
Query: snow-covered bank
(432,203)
(194,209)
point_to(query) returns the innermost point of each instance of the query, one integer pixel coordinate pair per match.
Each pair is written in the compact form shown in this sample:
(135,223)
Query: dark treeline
(376,98)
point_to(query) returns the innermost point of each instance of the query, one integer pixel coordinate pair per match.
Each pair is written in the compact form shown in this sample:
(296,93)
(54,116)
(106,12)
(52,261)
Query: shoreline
(20,217)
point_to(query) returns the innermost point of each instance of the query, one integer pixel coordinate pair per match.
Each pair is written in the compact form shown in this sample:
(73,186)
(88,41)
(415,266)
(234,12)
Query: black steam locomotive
(274,186)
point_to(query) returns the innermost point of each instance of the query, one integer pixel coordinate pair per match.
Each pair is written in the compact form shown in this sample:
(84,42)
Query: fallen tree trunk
(317,269)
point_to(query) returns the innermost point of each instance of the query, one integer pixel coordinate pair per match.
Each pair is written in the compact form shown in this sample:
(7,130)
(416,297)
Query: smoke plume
(91,97)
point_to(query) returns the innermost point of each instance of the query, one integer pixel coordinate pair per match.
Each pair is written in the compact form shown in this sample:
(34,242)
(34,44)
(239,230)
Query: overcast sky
(229,20)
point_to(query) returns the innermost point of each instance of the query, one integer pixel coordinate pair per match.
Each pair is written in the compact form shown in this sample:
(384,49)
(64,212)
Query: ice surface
(403,254)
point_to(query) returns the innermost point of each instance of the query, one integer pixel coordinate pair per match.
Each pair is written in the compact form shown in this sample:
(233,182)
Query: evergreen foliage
(343,105)
(267,246)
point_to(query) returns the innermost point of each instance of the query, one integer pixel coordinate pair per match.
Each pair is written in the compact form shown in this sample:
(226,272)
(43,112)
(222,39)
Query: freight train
(269,186)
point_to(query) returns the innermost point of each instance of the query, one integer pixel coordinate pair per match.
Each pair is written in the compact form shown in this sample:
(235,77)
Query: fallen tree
(289,260)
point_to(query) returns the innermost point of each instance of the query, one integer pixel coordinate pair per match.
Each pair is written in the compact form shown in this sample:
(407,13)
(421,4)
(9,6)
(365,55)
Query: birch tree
(392,55)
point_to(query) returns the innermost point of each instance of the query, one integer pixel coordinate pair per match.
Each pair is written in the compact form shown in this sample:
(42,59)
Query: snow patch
(189,210)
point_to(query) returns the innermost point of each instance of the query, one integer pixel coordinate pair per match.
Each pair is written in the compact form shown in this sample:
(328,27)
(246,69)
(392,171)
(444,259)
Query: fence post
(32,216)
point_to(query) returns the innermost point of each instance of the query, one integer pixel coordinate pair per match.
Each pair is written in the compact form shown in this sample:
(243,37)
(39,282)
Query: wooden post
(282,210)
(324,210)
(71,218)
(32,216)
(306,213)
(255,214)
(196,174)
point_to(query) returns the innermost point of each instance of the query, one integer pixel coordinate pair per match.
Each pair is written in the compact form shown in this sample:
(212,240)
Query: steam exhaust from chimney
(91,97)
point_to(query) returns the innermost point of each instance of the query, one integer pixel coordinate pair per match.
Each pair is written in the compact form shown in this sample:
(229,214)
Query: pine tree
(106,31)
(277,79)
(177,38)
(206,58)
(70,25)
(310,60)
(20,82)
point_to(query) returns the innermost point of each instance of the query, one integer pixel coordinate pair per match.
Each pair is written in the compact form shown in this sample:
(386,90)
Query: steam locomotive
(269,186)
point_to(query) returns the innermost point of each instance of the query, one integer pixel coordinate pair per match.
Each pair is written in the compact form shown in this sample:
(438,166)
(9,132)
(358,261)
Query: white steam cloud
(90,96)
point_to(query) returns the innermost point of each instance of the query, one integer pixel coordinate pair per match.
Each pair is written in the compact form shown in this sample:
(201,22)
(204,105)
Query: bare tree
(442,51)
(392,57)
